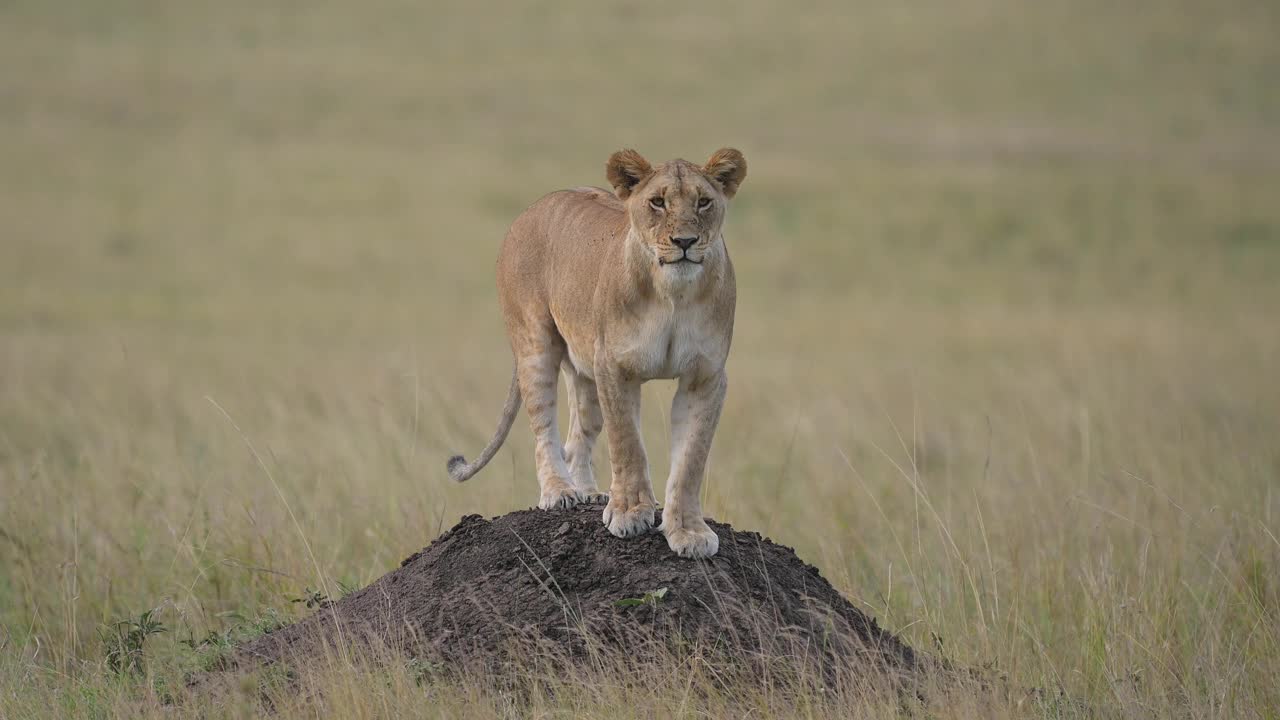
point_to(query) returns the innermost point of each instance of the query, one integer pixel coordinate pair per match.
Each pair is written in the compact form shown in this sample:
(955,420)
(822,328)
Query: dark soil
(555,579)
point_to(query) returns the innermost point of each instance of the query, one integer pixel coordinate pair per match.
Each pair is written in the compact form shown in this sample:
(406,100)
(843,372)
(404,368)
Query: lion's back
(557,248)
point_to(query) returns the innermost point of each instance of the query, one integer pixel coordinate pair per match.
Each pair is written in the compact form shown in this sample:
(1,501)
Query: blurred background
(1006,353)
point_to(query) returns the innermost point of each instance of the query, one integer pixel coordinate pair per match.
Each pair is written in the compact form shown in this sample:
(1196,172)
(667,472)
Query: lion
(613,290)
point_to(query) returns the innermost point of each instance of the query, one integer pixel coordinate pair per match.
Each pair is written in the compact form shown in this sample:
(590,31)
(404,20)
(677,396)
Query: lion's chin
(675,279)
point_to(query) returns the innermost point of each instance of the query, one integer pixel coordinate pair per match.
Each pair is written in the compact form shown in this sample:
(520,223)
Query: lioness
(615,289)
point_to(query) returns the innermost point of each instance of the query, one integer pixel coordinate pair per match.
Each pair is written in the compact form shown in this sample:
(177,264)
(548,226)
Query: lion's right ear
(625,170)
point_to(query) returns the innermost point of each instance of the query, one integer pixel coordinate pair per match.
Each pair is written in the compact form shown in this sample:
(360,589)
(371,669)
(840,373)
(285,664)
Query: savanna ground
(1005,362)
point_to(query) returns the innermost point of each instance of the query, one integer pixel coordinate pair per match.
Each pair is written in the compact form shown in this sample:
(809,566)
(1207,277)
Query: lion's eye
(704,203)
(657,202)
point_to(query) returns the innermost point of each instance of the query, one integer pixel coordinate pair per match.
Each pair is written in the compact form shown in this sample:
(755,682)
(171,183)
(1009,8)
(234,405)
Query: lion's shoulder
(566,215)
(598,195)
(581,203)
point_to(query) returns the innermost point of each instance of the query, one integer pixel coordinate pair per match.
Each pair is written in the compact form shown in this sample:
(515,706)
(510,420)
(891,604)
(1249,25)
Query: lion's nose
(684,243)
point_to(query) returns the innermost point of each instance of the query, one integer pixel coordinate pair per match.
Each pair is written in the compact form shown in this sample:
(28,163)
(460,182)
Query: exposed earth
(558,583)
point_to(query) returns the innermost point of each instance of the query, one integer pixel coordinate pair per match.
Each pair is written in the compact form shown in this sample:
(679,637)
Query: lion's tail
(461,470)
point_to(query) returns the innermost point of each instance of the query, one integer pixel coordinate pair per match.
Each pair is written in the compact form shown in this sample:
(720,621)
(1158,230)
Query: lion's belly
(582,360)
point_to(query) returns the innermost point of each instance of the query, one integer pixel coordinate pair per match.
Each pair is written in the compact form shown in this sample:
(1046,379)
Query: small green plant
(423,670)
(213,650)
(312,599)
(247,628)
(124,640)
(653,597)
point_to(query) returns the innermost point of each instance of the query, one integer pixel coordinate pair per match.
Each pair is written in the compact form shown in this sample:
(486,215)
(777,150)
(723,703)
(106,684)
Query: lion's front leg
(695,412)
(631,505)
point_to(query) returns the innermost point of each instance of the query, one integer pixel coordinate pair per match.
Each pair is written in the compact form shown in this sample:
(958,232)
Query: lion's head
(677,209)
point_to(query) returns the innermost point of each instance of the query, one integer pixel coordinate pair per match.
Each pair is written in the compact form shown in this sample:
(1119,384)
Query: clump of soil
(486,589)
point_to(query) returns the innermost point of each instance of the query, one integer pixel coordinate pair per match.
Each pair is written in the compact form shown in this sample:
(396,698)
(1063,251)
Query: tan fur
(592,284)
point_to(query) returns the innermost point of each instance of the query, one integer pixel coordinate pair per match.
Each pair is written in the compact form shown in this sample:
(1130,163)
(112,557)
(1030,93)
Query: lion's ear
(625,169)
(727,167)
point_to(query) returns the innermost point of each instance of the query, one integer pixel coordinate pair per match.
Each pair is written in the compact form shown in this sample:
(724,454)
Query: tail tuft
(457,468)
(461,470)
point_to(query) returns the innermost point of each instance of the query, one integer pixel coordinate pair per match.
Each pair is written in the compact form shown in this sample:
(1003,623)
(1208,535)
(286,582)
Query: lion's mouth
(681,259)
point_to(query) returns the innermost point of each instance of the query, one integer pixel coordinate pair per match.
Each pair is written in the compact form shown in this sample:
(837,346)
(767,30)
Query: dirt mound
(559,580)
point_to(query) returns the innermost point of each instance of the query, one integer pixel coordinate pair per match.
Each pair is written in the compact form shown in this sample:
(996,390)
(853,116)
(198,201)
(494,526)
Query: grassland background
(1005,363)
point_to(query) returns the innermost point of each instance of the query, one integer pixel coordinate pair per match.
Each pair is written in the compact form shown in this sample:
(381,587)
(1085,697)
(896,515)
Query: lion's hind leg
(538,363)
(585,423)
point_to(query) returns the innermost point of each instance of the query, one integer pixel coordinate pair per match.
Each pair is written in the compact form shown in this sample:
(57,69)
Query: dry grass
(1005,366)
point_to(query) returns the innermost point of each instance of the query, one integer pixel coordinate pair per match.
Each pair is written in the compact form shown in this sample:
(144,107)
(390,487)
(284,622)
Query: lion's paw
(692,542)
(592,497)
(631,522)
(558,497)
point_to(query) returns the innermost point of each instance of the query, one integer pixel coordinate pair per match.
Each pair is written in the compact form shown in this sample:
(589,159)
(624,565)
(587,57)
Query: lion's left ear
(727,167)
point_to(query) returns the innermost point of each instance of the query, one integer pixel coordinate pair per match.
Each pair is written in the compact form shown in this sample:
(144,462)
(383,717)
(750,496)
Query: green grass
(1005,363)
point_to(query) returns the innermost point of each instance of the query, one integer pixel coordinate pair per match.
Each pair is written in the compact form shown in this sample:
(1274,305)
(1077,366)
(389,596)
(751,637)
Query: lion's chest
(669,341)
